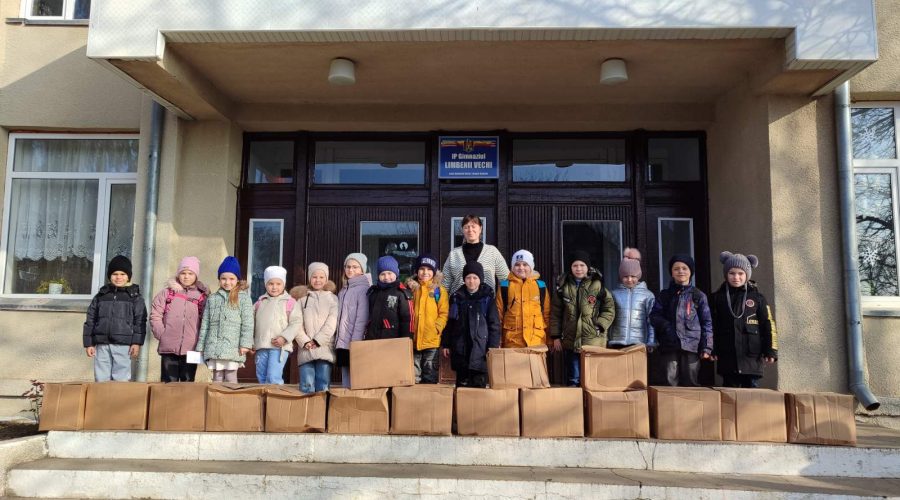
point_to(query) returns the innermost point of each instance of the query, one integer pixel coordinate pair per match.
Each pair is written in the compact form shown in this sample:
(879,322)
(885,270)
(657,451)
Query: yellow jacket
(519,303)
(431,313)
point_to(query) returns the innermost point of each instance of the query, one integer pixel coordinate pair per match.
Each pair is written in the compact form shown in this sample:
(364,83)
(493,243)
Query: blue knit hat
(230,265)
(387,263)
(426,260)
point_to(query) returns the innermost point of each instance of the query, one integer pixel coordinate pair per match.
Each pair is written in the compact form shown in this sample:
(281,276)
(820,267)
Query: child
(116,324)
(524,306)
(353,311)
(316,341)
(390,304)
(474,328)
(277,321)
(743,329)
(634,301)
(226,332)
(175,320)
(582,312)
(683,326)
(432,305)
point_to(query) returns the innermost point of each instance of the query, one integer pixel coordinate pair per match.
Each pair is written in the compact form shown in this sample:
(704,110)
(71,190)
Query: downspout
(852,308)
(157,120)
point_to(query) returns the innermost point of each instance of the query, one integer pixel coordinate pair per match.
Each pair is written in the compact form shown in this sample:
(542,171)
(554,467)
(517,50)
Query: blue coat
(681,320)
(472,329)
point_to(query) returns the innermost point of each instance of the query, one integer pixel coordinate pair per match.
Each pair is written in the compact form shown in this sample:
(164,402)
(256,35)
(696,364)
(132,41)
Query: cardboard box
(177,406)
(381,363)
(116,406)
(515,368)
(686,413)
(487,412)
(362,411)
(424,410)
(63,407)
(753,415)
(617,414)
(289,410)
(613,369)
(235,408)
(822,418)
(555,412)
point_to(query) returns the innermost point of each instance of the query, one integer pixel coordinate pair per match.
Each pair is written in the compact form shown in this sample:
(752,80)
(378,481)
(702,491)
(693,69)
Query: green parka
(224,329)
(581,314)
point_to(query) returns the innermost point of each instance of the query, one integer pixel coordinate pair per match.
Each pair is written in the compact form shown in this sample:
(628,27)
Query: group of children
(733,327)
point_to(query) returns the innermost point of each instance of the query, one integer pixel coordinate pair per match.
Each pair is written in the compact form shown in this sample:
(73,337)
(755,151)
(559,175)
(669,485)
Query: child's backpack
(504,293)
(172,294)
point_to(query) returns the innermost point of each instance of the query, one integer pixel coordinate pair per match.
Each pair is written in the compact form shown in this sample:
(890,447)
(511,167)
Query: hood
(300,291)
(361,280)
(173,284)
(534,276)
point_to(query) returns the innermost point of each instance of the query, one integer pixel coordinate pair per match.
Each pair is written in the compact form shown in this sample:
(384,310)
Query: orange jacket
(525,322)
(431,313)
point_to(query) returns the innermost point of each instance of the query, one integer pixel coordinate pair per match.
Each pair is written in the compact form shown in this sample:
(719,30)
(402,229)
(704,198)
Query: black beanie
(682,257)
(473,268)
(119,263)
(580,255)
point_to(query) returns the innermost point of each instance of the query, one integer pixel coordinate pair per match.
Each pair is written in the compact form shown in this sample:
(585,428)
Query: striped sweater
(495,268)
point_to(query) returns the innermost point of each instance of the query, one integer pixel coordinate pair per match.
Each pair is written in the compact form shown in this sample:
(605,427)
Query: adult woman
(474,250)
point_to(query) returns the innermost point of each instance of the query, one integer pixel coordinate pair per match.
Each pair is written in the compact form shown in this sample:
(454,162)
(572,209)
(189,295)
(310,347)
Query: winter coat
(390,312)
(431,303)
(276,317)
(495,268)
(175,316)
(741,342)
(320,312)
(226,329)
(632,324)
(681,320)
(473,328)
(524,307)
(581,314)
(353,310)
(116,316)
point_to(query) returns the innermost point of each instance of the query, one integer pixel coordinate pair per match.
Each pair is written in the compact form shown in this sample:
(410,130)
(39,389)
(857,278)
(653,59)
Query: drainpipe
(157,119)
(852,309)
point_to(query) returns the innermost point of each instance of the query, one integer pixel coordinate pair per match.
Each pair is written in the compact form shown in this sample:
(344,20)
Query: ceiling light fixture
(342,72)
(613,71)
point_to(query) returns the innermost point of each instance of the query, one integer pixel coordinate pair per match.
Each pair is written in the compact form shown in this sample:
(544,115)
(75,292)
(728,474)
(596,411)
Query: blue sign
(468,157)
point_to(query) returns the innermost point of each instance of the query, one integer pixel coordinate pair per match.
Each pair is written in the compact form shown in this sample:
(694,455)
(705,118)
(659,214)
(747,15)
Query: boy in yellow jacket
(432,305)
(524,305)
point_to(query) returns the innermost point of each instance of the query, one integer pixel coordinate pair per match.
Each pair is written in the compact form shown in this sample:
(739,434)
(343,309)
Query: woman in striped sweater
(473,249)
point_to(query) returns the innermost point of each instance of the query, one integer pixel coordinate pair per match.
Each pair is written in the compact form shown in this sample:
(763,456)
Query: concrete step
(650,455)
(90,478)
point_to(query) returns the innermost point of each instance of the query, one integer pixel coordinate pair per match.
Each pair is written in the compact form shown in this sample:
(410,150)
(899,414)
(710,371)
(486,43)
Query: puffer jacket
(177,328)
(116,316)
(741,342)
(353,310)
(320,312)
(581,314)
(681,320)
(391,313)
(524,307)
(473,328)
(632,324)
(226,329)
(432,305)
(272,320)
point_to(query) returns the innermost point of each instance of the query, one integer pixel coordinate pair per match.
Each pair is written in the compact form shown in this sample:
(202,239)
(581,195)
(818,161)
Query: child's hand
(279,341)
(556,346)
(706,356)
(243,350)
(134,350)
(445,353)
(769,360)
(90,351)
(650,349)
(309,346)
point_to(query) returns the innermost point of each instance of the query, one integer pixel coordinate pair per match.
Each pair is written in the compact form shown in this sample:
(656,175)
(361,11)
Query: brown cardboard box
(753,415)
(613,369)
(617,414)
(177,406)
(689,413)
(116,406)
(381,363)
(289,410)
(555,412)
(424,410)
(487,412)
(822,418)
(513,368)
(362,411)
(235,408)
(63,406)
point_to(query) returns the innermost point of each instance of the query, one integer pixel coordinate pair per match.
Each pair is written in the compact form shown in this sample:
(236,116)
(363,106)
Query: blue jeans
(270,365)
(572,360)
(112,362)
(428,364)
(315,376)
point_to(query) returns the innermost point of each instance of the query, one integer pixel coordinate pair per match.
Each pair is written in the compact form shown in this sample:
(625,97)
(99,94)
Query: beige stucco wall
(881,80)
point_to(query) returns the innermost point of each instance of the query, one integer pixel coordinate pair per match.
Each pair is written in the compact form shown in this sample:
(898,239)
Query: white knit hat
(316,266)
(273,272)
(522,256)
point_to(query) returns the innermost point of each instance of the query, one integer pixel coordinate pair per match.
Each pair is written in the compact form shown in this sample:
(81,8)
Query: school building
(289,132)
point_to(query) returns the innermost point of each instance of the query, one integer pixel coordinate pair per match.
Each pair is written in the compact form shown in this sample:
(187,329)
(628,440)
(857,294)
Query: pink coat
(176,328)
(353,310)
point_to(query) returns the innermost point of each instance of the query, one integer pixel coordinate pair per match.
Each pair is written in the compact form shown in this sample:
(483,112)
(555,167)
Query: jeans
(112,362)
(572,360)
(681,367)
(428,364)
(270,365)
(741,380)
(345,377)
(175,368)
(315,376)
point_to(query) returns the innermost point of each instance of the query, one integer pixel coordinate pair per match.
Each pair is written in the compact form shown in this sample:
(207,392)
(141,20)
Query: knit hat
(387,263)
(736,260)
(191,264)
(580,255)
(631,263)
(475,268)
(316,266)
(426,260)
(522,256)
(275,272)
(358,257)
(230,265)
(684,258)
(119,263)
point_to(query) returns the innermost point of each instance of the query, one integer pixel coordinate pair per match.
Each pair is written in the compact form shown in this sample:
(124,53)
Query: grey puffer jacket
(632,323)
(225,329)
(353,310)
(320,311)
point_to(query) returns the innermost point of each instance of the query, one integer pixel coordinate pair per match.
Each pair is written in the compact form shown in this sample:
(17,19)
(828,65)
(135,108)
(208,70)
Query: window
(399,239)
(676,236)
(69,209)
(569,160)
(270,162)
(876,169)
(266,244)
(601,239)
(673,159)
(369,162)
(56,9)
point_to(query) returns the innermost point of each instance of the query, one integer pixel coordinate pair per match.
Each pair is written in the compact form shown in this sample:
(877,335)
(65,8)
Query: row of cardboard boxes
(709,414)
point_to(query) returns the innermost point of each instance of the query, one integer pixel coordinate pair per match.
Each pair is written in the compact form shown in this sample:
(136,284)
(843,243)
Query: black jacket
(741,342)
(390,312)
(116,316)
(473,327)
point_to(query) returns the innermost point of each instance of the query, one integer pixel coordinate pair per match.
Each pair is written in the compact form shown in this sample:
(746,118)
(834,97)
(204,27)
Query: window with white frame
(56,9)
(69,209)
(876,167)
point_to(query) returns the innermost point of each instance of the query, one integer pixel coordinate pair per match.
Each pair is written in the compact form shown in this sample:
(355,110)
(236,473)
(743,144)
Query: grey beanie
(740,261)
